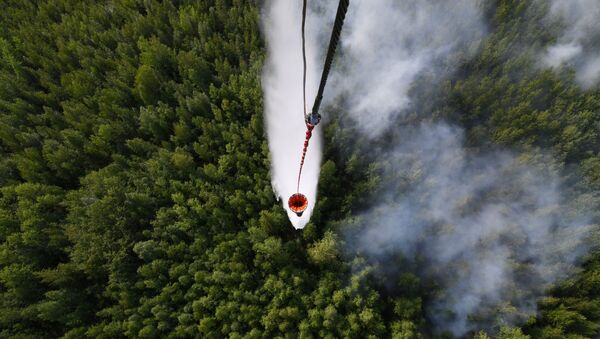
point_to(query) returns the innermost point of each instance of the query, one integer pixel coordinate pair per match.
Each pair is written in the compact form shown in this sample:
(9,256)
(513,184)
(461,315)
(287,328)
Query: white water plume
(282,88)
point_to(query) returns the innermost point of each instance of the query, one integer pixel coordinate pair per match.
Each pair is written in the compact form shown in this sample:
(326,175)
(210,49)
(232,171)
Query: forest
(136,198)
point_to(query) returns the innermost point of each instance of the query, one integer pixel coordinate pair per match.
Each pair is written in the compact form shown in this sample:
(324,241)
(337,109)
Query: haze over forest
(148,149)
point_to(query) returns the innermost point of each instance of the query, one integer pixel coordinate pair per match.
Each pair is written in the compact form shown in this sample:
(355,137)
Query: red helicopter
(298,201)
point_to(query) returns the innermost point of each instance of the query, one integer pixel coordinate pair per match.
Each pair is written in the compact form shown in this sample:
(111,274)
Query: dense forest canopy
(136,201)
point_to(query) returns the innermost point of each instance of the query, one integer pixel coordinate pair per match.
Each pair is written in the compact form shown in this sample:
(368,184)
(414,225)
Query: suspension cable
(333,41)
(303,91)
(304,56)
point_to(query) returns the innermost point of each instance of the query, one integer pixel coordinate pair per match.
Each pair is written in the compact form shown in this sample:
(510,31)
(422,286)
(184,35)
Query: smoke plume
(491,230)
(577,43)
(387,44)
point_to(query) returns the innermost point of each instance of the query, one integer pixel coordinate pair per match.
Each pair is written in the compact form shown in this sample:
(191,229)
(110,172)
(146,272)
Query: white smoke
(388,43)
(577,43)
(487,225)
(282,88)
(478,222)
